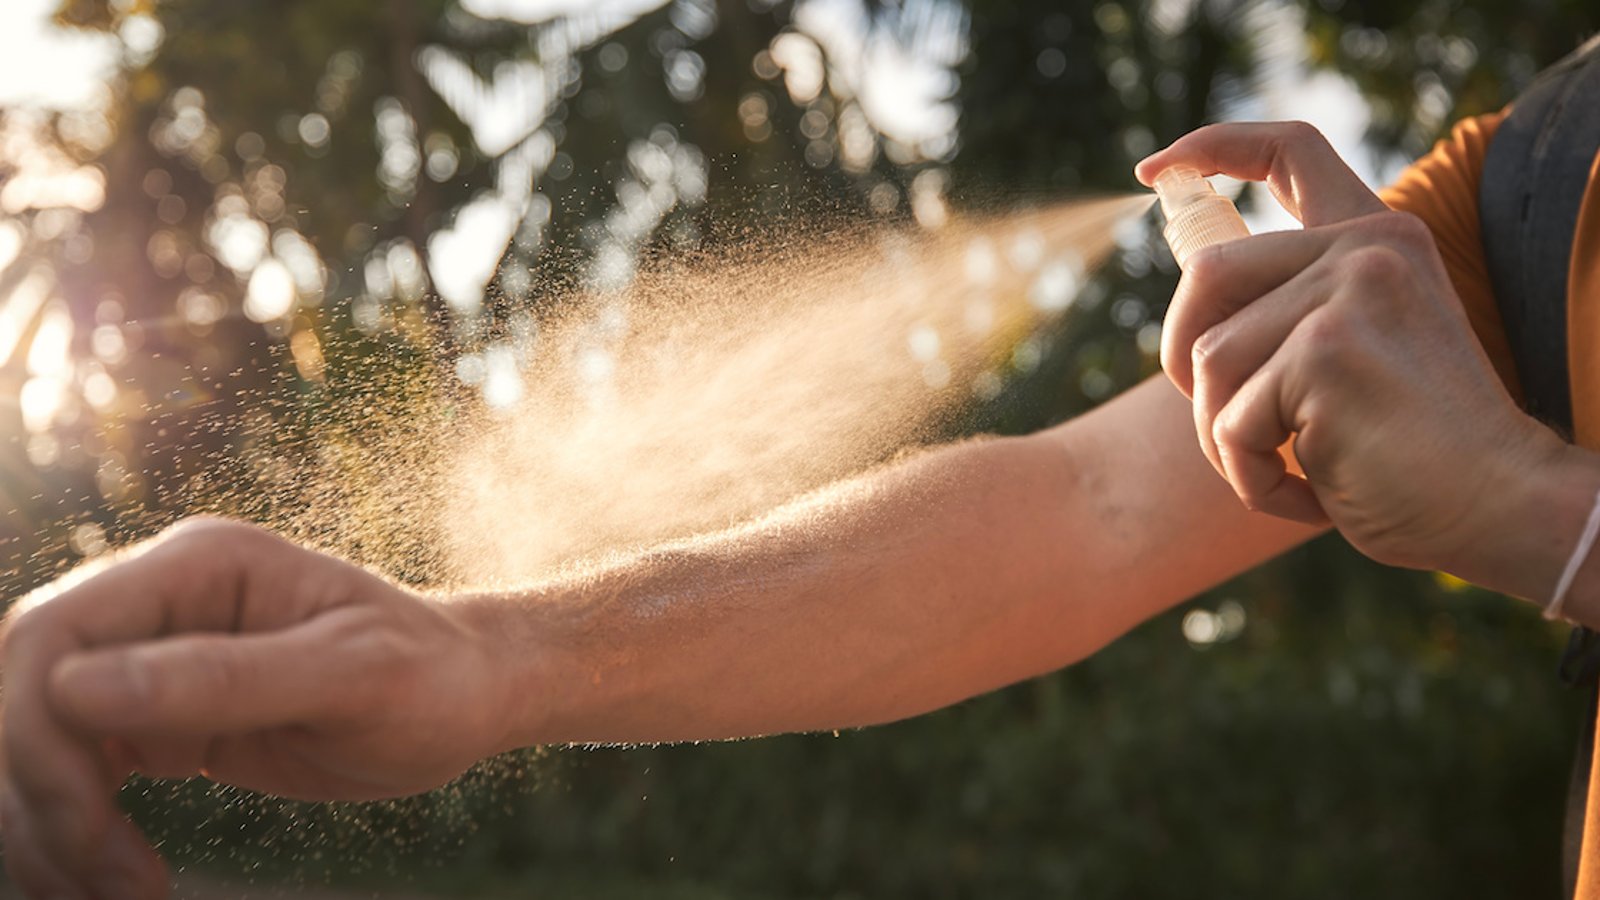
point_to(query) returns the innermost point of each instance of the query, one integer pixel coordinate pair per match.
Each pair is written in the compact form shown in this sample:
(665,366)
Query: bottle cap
(1197,216)
(1179,186)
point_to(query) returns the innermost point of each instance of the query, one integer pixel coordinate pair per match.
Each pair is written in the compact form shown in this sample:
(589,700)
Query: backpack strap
(1534,178)
(1535,174)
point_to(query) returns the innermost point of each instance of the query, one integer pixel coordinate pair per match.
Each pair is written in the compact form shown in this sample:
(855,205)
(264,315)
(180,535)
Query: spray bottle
(1197,216)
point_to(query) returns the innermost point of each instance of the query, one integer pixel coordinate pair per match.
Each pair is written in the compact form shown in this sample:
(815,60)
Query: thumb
(200,684)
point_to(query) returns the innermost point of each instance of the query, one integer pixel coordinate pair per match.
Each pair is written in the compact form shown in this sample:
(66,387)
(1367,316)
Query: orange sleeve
(1442,190)
(1583,322)
(1583,330)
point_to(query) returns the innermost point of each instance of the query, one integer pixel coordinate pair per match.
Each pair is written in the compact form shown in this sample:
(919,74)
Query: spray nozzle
(1177,186)
(1197,216)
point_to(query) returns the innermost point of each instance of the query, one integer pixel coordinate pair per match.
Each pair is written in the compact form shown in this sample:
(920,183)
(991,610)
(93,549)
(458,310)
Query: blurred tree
(290,191)
(1424,65)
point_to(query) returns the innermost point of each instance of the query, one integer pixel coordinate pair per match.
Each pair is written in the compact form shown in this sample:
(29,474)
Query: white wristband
(1580,553)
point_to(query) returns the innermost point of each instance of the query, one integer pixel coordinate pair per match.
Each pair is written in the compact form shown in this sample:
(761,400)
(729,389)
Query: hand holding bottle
(1348,337)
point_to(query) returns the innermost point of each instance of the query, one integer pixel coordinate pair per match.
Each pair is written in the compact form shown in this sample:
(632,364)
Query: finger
(25,860)
(190,578)
(203,685)
(1298,164)
(129,867)
(61,777)
(1227,354)
(58,776)
(1225,278)
(1248,432)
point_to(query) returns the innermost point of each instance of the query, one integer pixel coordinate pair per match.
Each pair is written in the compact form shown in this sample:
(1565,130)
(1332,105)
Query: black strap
(1580,661)
(1535,175)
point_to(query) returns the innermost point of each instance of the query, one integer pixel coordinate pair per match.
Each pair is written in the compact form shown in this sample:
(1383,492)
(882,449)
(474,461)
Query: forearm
(946,575)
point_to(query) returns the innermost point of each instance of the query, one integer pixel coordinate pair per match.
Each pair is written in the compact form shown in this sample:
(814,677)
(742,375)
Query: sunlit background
(244,241)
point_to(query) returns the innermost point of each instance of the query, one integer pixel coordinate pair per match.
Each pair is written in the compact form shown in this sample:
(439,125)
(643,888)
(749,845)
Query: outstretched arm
(950,574)
(223,650)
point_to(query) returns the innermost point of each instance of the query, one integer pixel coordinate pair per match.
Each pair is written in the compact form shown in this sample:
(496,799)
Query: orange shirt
(1442,189)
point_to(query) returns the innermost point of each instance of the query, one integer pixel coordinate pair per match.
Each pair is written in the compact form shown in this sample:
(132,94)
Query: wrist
(1532,518)
(517,642)
(1579,492)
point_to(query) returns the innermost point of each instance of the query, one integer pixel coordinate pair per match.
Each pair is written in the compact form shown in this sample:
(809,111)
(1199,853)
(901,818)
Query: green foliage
(1367,732)
(1424,65)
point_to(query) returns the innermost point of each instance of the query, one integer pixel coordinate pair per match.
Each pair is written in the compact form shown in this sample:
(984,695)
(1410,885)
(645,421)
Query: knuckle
(1207,132)
(1207,265)
(34,617)
(1375,267)
(1200,371)
(39,627)
(22,627)
(1321,331)
(1225,428)
(1302,131)
(215,551)
(196,526)
(213,532)
(1299,134)
(1408,229)
(1229,432)
(1206,355)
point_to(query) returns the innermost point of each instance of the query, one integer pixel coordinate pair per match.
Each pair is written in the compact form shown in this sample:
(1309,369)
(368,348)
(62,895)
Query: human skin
(220,649)
(223,650)
(1347,337)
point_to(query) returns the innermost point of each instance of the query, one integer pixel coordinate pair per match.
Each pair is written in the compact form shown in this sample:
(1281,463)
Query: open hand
(1348,338)
(219,649)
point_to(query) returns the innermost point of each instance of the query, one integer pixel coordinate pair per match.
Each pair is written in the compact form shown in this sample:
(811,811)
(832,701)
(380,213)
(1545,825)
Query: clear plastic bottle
(1197,216)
